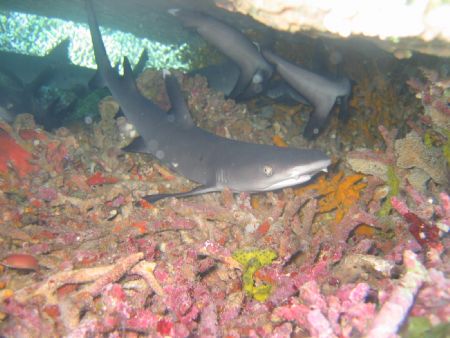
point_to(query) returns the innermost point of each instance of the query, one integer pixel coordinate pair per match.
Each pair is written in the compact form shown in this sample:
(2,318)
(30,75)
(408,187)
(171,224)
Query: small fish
(20,261)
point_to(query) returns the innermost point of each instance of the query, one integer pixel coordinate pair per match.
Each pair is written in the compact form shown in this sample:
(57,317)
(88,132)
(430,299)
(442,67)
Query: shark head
(271,168)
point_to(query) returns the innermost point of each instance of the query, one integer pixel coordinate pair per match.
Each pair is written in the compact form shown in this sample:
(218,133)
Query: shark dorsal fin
(128,76)
(60,53)
(179,108)
(140,66)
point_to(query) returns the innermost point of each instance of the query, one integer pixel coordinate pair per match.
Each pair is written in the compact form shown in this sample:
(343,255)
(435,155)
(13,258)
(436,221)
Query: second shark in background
(254,70)
(49,87)
(248,72)
(320,91)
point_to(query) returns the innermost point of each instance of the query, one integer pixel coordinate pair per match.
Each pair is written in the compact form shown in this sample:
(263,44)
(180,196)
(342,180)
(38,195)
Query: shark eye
(268,171)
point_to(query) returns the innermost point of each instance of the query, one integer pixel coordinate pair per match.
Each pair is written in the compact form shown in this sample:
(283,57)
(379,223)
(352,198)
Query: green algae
(393,183)
(446,148)
(253,260)
(421,327)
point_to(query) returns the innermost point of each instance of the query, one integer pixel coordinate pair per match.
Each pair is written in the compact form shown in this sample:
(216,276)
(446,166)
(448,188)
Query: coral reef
(81,255)
(411,152)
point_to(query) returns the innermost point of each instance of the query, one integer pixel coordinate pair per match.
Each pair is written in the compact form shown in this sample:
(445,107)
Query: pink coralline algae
(110,265)
(392,314)
(330,316)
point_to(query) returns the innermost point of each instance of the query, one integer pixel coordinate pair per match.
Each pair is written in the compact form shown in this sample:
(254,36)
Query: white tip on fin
(173,11)
(166,72)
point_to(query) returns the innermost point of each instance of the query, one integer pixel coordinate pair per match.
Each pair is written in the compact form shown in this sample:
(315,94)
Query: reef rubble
(361,251)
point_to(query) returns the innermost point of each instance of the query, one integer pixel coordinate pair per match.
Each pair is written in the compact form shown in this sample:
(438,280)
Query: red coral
(31,134)
(164,327)
(424,233)
(15,155)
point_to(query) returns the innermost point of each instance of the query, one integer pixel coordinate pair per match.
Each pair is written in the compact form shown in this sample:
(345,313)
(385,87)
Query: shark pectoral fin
(344,113)
(252,90)
(196,191)
(179,108)
(319,117)
(138,145)
(119,113)
(245,77)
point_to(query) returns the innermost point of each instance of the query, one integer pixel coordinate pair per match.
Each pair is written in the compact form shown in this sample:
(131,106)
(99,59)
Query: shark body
(37,84)
(223,77)
(212,161)
(254,70)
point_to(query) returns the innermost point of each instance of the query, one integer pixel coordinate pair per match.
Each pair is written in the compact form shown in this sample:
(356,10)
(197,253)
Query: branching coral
(394,311)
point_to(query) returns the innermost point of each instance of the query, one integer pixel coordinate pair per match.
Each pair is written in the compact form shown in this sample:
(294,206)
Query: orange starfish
(339,193)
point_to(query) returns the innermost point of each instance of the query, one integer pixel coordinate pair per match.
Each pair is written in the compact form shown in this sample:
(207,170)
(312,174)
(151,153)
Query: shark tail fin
(99,48)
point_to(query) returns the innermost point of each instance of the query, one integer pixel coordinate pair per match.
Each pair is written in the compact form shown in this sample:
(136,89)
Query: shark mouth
(299,175)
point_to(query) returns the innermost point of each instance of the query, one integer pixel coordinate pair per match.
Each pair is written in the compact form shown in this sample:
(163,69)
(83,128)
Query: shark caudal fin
(101,57)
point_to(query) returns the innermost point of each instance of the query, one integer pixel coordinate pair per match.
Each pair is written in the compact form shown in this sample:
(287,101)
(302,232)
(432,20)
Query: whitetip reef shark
(255,71)
(323,93)
(215,162)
